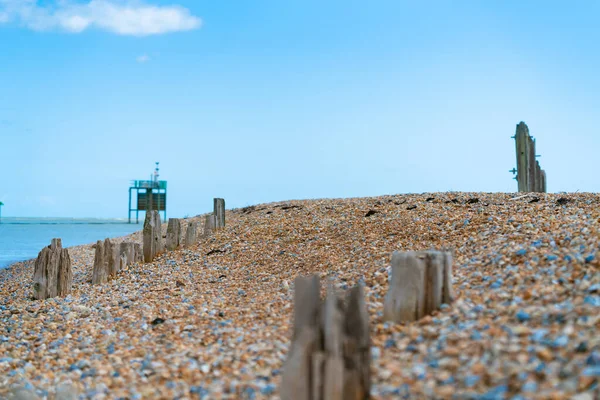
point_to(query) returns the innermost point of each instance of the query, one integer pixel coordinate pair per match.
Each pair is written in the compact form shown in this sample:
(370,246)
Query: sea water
(23,238)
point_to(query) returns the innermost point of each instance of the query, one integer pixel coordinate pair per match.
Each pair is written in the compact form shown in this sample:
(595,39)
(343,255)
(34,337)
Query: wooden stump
(52,275)
(152,236)
(174,232)
(329,358)
(219,213)
(112,257)
(209,225)
(420,283)
(100,270)
(132,252)
(139,253)
(107,261)
(191,234)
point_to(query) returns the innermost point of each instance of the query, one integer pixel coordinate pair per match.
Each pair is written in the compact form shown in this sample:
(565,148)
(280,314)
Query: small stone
(522,316)
(582,347)
(545,354)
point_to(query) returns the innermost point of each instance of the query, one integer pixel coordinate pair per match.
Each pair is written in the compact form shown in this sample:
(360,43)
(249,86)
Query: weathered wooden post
(530,176)
(52,275)
(219,212)
(209,224)
(420,283)
(152,236)
(113,257)
(107,261)
(329,358)
(522,148)
(174,234)
(191,233)
(131,251)
(100,270)
(544,189)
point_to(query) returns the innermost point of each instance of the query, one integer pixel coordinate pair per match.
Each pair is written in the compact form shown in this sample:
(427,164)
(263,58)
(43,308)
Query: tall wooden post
(522,147)
(219,213)
(330,354)
(530,176)
(152,236)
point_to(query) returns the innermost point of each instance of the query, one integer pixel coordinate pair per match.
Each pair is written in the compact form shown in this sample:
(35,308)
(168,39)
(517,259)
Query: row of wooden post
(330,353)
(53,274)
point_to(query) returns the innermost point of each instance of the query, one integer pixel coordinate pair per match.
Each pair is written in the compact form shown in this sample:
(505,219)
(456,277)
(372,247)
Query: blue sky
(270,100)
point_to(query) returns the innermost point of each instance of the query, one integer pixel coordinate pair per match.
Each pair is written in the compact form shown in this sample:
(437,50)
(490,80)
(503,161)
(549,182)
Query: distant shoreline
(24,237)
(63,221)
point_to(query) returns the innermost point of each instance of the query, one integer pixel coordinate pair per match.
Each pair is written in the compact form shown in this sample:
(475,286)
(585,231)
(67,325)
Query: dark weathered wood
(530,176)
(139,253)
(174,232)
(329,358)
(209,225)
(112,257)
(544,189)
(65,274)
(405,300)
(358,342)
(420,283)
(434,281)
(52,274)
(132,253)
(522,149)
(447,291)
(123,263)
(152,236)
(219,213)
(306,303)
(100,270)
(191,234)
(296,382)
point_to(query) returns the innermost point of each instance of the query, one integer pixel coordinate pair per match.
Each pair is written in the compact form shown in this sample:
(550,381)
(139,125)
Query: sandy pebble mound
(213,321)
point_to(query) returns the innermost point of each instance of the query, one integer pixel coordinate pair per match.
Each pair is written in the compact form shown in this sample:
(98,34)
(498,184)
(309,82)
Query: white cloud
(143,58)
(122,17)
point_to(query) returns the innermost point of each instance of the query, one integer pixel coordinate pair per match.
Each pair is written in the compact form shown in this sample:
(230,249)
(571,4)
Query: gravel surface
(213,321)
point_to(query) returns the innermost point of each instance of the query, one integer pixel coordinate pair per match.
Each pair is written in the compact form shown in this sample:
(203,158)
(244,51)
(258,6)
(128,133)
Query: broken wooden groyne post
(174,232)
(107,261)
(191,234)
(152,234)
(329,358)
(130,253)
(420,283)
(52,275)
(110,258)
(219,212)
(530,176)
(209,224)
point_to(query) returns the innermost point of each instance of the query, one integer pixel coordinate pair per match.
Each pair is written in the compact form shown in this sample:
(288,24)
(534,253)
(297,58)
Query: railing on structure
(149,184)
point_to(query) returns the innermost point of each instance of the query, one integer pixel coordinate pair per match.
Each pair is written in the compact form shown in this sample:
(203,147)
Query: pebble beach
(214,321)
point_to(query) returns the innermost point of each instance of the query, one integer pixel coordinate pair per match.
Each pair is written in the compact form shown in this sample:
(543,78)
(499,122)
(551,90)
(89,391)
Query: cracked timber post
(174,233)
(530,176)
(152,236)
(52,274)
(219,213)
(329,358)
(420,283)
(209,225)
(191,234)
